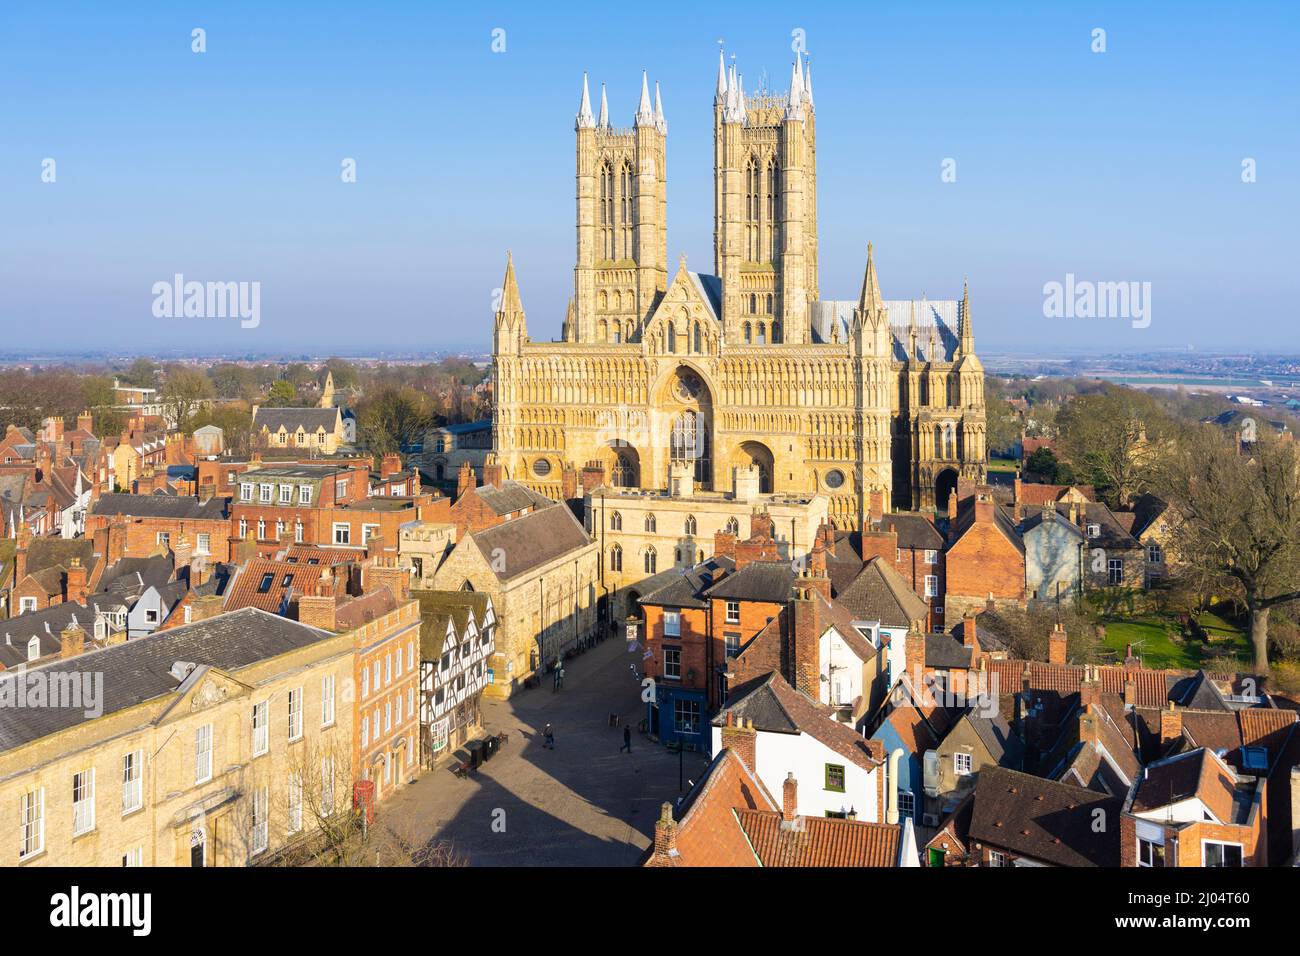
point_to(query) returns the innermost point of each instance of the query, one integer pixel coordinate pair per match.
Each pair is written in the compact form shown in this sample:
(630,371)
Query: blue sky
(1115,166)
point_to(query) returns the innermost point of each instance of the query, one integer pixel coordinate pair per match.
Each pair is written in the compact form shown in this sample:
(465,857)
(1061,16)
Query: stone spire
(871,300)
(794,105)
(721,95)
(603,121)
(510,302)
(644,112)
(585,119)
(735,111)
(661,124)
(966,344)
(911,332)
(807,85)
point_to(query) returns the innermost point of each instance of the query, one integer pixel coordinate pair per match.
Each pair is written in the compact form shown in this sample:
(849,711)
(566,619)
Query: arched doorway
(198,847)
(945,486)
(759,455)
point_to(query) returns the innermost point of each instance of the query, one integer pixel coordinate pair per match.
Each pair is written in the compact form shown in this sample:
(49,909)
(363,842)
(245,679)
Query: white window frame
(346,536)
(245,491)
(261,819)
(931,556)
(295,714)
(365,682)
(733,612)
(261,727)
(907,803)
(286,494)
(203,543)
(31,816)
(304,494)
(132,781)
(931,585)
(134,857)
(963,764)
(1208,843)
(83,810)
(202,754)
(265,493)
(327,701)
(672,622)
(1150,846)
(295,801)
(677,663)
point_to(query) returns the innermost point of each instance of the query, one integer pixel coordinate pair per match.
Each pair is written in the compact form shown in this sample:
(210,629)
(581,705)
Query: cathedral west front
(876,404)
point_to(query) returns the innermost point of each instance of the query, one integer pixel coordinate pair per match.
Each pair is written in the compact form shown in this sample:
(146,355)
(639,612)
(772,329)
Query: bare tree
(1107,438)
(1236,521)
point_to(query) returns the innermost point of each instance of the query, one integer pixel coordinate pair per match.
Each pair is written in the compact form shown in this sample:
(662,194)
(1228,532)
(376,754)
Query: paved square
(582,804)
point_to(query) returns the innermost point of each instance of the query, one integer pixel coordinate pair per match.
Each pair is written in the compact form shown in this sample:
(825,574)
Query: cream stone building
(874,404)
(218,744)
(541,571)
(648,538)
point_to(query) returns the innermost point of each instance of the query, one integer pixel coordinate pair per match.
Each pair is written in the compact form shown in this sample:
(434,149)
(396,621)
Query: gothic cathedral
(876,404)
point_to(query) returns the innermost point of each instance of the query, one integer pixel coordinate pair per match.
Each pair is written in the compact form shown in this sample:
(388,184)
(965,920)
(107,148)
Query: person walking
(627,740)
(549,734)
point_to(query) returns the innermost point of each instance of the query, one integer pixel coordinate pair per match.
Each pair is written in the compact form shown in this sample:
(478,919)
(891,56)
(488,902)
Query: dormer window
(33,649)
(1254,758)
(1094,531)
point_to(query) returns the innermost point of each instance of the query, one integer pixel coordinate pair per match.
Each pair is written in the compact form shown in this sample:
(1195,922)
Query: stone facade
(748,366)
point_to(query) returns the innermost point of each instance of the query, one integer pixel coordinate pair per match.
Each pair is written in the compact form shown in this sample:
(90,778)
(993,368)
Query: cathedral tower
(622,239)
(765,217)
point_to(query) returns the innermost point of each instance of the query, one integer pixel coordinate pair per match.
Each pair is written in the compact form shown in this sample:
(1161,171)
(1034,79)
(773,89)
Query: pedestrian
(561,678)
(549,734)
(627,740)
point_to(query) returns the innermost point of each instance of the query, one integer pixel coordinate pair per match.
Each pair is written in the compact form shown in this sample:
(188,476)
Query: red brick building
(986,559)
(151,522)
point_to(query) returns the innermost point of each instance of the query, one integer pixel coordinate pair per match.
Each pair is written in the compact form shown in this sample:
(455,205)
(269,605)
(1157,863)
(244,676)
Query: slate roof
(530,541)
(688,589)
(1147,509)
(879,593)
(1197,773)
(946,652)
(46,625)
(131,577)
(1003,744)
(913,531)
(139,670)
(767,581)
(1008,813)
(511,497)
(1002,520)
(311,419)
(161,506)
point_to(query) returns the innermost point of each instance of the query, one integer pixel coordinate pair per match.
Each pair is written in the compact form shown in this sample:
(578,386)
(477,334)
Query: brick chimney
(1056,645)
(20,555)
(952,507)
(493,473)
(914,649)
(182,551)
(1088,724)
(116,541)
(665,850)
(789,798)
(880,544)
(1089,687)
(465,480)
(761,525)
(739,735)
(86,422)
(375,545)
(724,544)
(875,505)
(984,506)
(205,606)
(569,482)
(390,464)
(200,572)
(970,633)
(805,638)
(318,608)
(1171,724)
(77,582)
(593,476)
(385,572)
(72,640)
(1130,692)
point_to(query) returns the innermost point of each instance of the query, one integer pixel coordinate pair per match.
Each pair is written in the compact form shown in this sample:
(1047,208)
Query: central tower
(765,208)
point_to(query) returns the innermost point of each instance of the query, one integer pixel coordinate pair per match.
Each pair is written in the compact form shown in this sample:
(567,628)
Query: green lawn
(1151,640)
(1003,464)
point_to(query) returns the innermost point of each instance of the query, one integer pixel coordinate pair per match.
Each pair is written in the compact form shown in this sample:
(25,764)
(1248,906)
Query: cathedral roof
(940,314)
(710,290)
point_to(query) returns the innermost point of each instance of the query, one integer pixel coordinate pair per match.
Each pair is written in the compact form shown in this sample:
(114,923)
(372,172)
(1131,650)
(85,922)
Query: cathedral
(876,404)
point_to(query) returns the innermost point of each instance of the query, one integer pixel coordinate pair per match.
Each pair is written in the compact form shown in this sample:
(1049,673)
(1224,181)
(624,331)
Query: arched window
(602,331)
(650,523)
(753,303)
(651,561)
(773,210)
(616,558)
(623,475)
(752,200)
(776,332)
(625,227)
(749,336)
(616,521)
(762,333)
(698,339)
(733,526)
(690,526)
(618,333)
(607,211)
(672,337)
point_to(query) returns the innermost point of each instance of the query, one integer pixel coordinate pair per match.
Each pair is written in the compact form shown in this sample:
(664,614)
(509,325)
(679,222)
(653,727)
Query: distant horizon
(1114,166)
